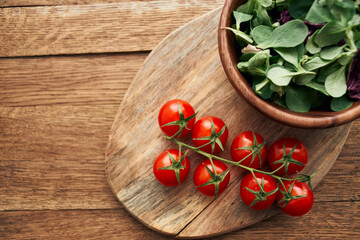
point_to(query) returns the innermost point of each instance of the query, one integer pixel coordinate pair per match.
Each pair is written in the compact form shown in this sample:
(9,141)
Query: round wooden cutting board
(186,65)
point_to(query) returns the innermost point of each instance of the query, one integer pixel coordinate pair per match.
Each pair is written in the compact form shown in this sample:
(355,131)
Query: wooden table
(64,70)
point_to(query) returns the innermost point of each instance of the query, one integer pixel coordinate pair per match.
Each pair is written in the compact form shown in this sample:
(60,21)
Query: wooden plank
(17,3)
(114,27)
(332,220)
(81,224)
(75,80)
(52,157)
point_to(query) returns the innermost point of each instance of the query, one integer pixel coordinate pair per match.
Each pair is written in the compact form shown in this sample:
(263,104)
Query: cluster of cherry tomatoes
(258,189)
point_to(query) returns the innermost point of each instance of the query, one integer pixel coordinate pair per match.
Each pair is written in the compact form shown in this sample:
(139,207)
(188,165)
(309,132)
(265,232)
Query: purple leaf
(312,28)
(353,81)
(341,43)
(285,16)
(314,25)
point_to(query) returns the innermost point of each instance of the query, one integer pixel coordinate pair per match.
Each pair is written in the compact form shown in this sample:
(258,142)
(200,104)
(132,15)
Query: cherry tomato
(255,197)
(297,200)
(251,147)
(204,134)
(293,160)
(207,183)
(174,122)
(166,168)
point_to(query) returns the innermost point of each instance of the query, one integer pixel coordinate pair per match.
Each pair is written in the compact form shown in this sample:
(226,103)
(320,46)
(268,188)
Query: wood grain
(196,68)
(44,164)
(35,137)
(17,3)
(116,27)
(334,220)
(75,80)
(52,157)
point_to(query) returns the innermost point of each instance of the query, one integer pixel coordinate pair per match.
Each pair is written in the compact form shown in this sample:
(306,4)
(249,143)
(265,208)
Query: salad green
(298,53)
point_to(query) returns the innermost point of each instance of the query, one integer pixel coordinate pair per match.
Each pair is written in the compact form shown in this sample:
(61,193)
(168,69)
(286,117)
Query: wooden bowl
(229,59)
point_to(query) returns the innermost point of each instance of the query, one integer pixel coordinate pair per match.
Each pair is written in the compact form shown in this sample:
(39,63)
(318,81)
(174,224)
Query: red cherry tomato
(167,176)
(169,114)
(202,134)
(299,206)
(202,177)
(245,146)
(255,197)
(294,159)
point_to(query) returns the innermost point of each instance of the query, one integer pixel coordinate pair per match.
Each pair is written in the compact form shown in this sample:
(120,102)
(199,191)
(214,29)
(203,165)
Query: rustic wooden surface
(55,117)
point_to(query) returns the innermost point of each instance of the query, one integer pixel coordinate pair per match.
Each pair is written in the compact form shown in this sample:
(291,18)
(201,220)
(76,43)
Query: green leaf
(259,83)
(318,99)
(355,21)
(346,58)
(261,87)
(240,18)
(291,55)
(257,64)
(266,92)
(247,7)
(243,36)
(330,34)
(246,57)
(290,34)
(265,3)
(279,75)
(311,46)
(281,3)
(261,17)
(326,71)
(274,88)
(335,83)
(304,79)
(261,33)
(318,87)
(315,63)
(356,32)
(299,8)
(318,13)
(332,52)
(343,11)
(341,103)
(357,44)
(280,101)
(276,59)
(297,98)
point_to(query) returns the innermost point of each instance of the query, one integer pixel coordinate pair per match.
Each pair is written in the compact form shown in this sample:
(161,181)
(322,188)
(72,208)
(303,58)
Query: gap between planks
(326,221)
(121,207)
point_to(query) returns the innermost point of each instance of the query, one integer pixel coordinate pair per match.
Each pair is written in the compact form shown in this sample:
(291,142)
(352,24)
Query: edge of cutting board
(132,186)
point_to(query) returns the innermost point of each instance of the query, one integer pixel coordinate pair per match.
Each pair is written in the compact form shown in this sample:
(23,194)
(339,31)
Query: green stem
(273,172)
(252,172)
(213,166)
(350,39)
(282,183)
(210,156)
